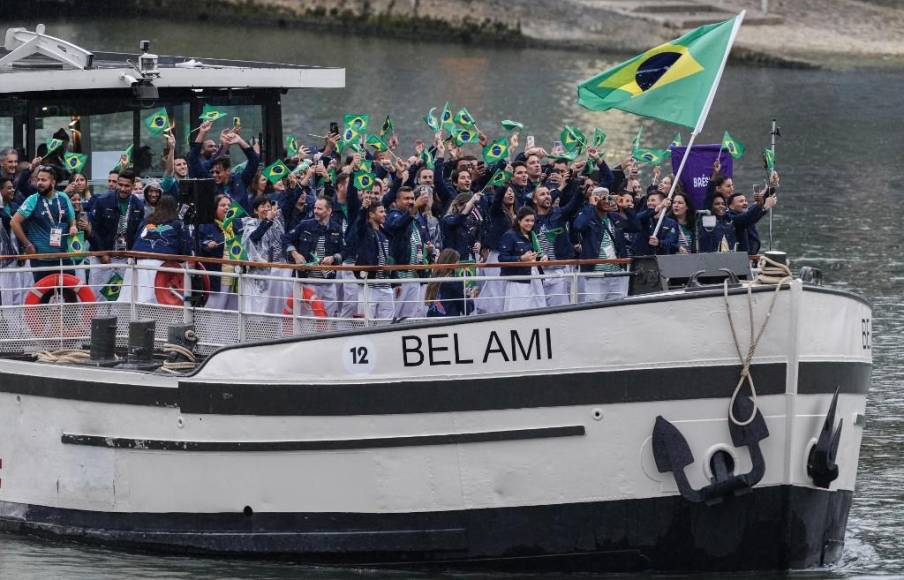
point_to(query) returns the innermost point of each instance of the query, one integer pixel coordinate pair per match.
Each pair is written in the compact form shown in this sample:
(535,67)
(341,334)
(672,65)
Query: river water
(840,209)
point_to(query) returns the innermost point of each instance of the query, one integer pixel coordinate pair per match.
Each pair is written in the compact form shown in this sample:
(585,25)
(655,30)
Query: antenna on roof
(23,44)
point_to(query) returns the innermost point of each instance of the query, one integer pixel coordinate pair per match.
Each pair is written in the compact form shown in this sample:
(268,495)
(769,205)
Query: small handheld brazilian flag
(209,113)
(76,243)
(235,250)
(125,159)
(350,139)
(110,292)
(157,122)
(445,119)
(599,138)
(732,146)
(464,135)
(388,129)
(426,158)
(234,212)
(74,162)
(572,138)
(676,140)
(768,159)
(363,180)
(291,145)
(510,125)
(275,171)
(377,143)
(53,144)
(357,122)
(500,178)
(495,151)
(431,120)
(464,118)
(651,156)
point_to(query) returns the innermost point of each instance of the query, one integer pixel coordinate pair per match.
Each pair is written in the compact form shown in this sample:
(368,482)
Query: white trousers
(491,298)
(410,300)
(557,286)
(278,292)
(603,289)
(378,301)
(143,278)
(348,294)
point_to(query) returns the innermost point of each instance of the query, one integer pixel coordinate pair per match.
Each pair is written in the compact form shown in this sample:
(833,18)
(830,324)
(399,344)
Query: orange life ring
(311,299)
(169,287)
(72,290)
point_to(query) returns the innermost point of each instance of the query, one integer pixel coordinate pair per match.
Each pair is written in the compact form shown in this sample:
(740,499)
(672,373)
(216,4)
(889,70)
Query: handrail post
(240,295)
(366,302)
(62,300)
(187,314)
(297,296)
(133,289)
(574,285)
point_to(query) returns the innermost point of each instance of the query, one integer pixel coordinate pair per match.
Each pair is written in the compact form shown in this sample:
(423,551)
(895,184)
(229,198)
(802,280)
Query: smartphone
(334,127)
(236,122)
(530,141)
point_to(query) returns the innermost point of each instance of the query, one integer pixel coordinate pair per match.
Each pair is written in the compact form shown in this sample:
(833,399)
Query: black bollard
(103,340)
(141,345)
(182,335)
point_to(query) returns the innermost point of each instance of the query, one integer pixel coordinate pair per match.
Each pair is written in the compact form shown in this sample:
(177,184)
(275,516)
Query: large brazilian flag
(672,82)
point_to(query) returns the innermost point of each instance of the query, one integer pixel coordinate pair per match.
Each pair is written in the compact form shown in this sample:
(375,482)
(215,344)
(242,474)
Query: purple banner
(699,166)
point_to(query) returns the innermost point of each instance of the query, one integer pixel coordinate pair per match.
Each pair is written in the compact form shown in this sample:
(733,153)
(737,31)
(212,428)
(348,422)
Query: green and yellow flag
(651,156)
(291,145)
(388,128)
(426,158)
(599,138)
(431,120)
(768,160)
(464,118)
(733,146)
(671,82)
(234,212)
(157,122)
(445,118)
(495,151)
(357,122)
(234,249)
(53,144)
(676,140)
(377,143)
(510,125)
(275,171)
(77,244)
(125,159)
(363,180)
(210,113)
(74,162)
(500,178)
(572,138)
(464,135)
(110,292)
(301,167)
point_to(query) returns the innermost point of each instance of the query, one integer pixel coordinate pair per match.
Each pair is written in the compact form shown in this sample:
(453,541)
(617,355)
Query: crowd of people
(371,206)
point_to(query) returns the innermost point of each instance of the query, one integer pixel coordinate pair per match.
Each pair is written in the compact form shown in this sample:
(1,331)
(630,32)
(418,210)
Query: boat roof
(36,62)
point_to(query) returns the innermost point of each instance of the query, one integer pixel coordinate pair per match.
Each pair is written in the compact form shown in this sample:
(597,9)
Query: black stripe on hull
(526,391)
(770,528)
(324,444)
(467,394)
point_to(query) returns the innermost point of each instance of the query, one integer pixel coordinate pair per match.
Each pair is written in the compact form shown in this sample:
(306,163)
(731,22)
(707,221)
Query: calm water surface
(840,209)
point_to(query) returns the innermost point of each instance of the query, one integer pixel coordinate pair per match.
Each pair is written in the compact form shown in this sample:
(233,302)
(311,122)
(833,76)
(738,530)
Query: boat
(710,421)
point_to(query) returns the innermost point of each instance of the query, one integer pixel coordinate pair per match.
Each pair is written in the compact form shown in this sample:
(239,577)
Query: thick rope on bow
(771,272)
(175,351)
(64,356)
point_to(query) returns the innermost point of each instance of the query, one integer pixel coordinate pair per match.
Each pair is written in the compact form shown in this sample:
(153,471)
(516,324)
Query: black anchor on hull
(821,466)
(672,453)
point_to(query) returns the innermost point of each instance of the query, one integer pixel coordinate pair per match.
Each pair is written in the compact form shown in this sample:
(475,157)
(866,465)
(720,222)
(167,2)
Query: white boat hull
(495,442)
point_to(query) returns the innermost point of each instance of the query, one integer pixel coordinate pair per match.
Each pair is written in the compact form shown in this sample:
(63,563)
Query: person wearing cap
(602,230)
(152,192)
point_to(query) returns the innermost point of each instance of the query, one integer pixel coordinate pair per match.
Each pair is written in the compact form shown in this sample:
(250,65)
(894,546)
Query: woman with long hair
(161,233)
(216,241)
(462,225)
(502,212)
(682,211)
(447,298)
(519,244)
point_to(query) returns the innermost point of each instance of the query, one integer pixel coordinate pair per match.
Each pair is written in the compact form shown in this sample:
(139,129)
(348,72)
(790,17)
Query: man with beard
(44,219)
(551,228)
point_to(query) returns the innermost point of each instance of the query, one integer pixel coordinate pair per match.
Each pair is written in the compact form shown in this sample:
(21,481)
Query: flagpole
(703,114)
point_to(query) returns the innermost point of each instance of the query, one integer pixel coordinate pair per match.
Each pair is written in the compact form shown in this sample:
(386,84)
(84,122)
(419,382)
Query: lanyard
(59,210)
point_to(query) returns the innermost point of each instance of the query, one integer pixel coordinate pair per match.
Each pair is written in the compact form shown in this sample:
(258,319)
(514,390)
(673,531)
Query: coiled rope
(173,352)
(771,272)
(64,356)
